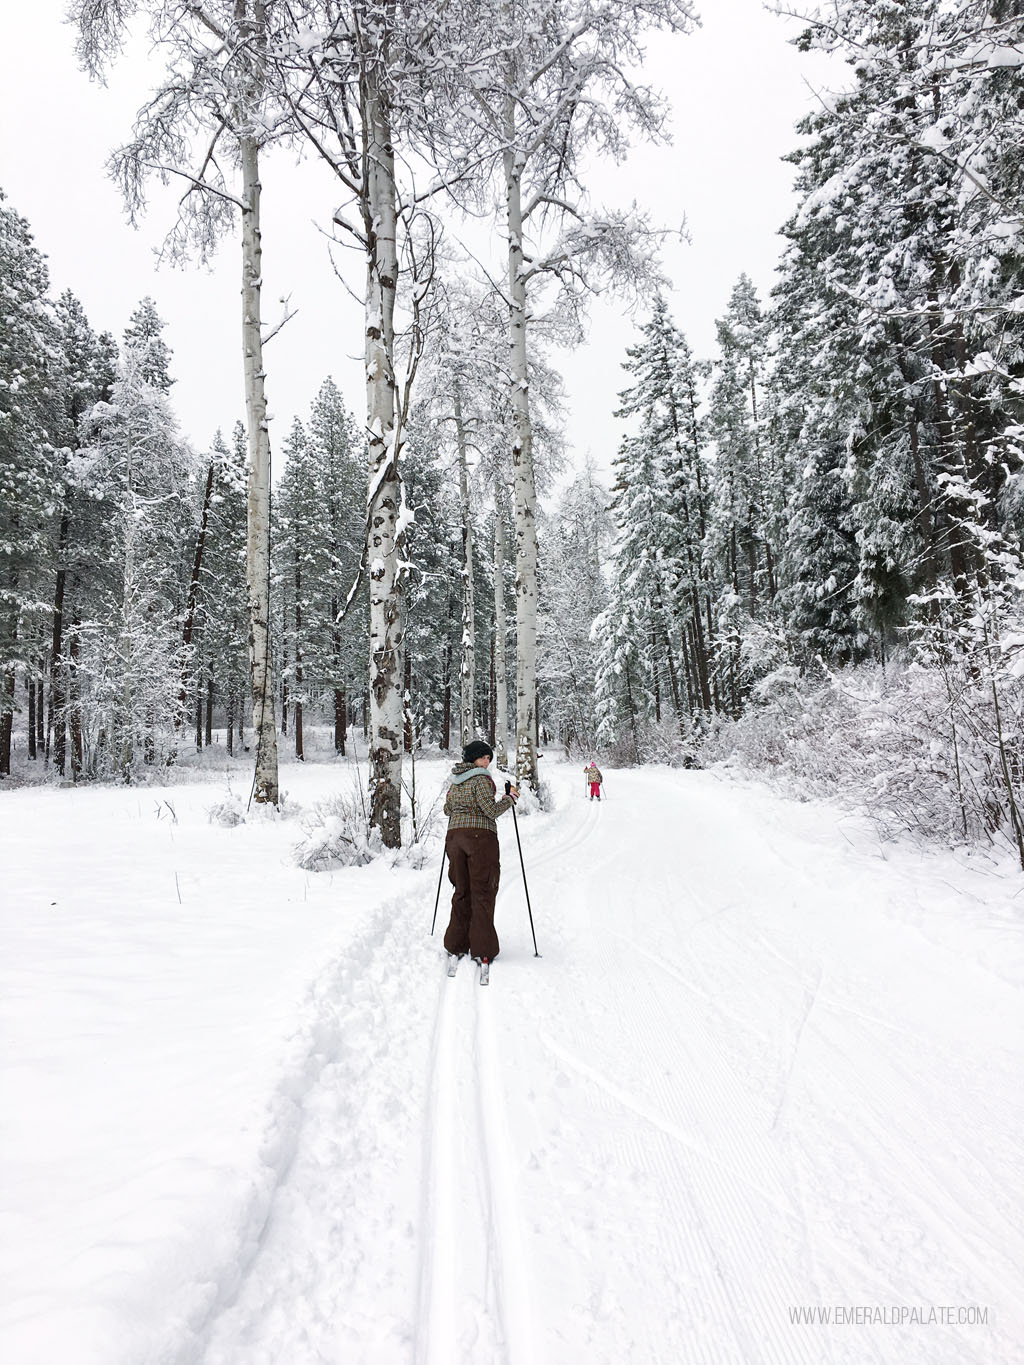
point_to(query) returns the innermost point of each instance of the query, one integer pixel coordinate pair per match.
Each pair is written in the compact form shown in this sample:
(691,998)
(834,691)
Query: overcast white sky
(736,86)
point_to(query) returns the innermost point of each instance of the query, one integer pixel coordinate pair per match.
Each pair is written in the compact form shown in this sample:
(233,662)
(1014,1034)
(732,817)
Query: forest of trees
(810,556)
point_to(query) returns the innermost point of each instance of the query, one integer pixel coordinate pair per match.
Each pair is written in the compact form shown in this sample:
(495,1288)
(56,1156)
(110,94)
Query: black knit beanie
(476,748)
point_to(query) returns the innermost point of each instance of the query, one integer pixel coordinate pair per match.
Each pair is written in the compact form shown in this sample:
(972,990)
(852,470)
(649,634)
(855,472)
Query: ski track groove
(437,1268)
(507,1267)
(513,1278)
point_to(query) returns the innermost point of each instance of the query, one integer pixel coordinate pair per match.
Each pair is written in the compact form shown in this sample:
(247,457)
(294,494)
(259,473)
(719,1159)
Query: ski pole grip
(508,788)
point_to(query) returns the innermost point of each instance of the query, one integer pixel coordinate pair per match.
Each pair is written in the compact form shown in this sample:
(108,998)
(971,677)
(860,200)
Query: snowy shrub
(915,748)
(671,741)
(337,834)
(227,812)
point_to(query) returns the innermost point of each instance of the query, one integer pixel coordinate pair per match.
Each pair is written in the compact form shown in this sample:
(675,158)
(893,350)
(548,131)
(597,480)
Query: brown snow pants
(474,867)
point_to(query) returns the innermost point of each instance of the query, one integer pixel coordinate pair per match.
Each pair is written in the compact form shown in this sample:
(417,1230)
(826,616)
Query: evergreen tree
(143,338)
(27,465)
(224,598)
(131,655)
(576,541)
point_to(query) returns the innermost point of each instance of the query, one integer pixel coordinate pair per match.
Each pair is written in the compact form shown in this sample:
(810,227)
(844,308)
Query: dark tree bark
(57,697)
(340,718)
(299,754)
(30,688)
(193,586)
(6,722)
(74,700)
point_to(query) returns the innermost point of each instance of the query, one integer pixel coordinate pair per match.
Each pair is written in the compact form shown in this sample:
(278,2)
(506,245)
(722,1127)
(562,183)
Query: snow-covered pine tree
(576,541)
(745,485)
(81,565)
(454,387)
(131,655)
(663,403)
(336,445)
(143,336)
(814,404)
(319,546)
(28,476)
(639,628)
(913,176)
(223,593)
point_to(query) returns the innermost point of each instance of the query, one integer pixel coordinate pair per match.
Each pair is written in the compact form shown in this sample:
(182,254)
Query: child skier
(472,849)
(593,776)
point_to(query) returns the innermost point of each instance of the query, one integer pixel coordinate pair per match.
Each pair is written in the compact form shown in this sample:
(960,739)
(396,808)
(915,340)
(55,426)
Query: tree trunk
(209,708)
(500,721)
(30,688)
(340,699)
(229,720)
(925,519)
(58,742)
(490,696)
(467,671)
(655,682)
(40,722)
(193,587)
(446,674)
(384,492)
(6,721)
(407,697)
(74,700)
(523,476)
(299,754)
(340,720)
(265,785)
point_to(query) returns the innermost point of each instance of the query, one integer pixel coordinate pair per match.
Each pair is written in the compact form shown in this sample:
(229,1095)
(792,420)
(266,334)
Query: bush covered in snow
(936,751)
(337,834)
(228,812)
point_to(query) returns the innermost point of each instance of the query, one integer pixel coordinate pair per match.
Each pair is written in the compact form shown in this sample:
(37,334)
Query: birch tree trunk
(467,672)
(384,492)
(523,478)
(265,787)
(500,722)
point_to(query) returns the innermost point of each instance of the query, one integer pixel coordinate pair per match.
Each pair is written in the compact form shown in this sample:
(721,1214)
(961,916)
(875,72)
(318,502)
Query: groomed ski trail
(468,1149)
(741,1080)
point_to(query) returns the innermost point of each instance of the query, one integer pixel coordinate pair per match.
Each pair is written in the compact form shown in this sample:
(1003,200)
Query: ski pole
(437,898)
(525,887)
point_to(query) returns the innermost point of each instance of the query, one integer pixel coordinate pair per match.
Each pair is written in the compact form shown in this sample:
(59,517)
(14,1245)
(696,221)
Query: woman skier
(472,849)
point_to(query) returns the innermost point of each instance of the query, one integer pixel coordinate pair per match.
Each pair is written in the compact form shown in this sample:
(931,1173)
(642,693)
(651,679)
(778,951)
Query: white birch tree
(342,79)
(209,119)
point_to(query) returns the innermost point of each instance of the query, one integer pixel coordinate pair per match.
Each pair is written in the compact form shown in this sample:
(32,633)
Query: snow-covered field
(765,1069)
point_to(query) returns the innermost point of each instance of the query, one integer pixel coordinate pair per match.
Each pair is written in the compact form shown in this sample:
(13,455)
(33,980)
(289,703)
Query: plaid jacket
(470,802)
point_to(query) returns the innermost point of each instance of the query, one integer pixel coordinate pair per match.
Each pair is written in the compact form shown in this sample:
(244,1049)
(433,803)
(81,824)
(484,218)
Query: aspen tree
(215,82)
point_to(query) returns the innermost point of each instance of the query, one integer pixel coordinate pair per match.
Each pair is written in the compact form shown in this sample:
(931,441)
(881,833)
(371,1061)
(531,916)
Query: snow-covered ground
(764,1069)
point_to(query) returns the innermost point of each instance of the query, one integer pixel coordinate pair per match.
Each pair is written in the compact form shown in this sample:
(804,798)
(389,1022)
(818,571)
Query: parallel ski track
(442,1299)
(708,1145)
